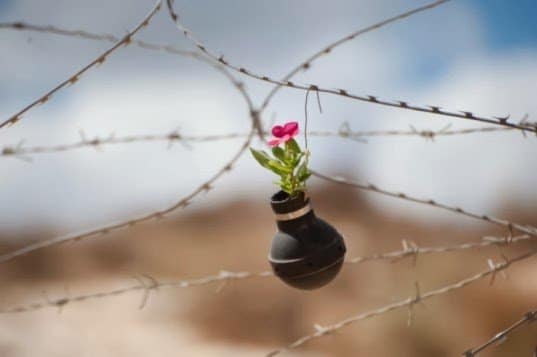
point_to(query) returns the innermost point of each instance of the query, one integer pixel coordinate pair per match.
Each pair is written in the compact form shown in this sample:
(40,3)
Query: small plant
(289,161)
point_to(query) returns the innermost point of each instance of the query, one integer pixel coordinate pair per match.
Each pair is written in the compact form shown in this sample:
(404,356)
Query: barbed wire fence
(514,232)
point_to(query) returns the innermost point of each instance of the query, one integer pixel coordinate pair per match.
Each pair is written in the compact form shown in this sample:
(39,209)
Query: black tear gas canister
(306,253)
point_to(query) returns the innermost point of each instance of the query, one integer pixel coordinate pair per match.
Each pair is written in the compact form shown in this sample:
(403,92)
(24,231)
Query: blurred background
(473,55)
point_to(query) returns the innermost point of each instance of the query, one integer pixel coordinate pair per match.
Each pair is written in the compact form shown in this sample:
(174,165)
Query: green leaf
(261,157)
(304,177)
(278,168)
(302,173)
(292,146)
(279,153)
(297,159)
(286,187)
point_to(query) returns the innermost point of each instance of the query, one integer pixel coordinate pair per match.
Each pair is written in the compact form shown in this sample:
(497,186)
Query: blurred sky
(478,55)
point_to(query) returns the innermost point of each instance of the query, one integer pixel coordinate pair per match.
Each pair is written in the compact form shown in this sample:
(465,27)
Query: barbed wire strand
(529,317)
(433,109)
(182,203)
(23,26)
(175,136)
(87,35)
(97,142)
(83,34)
(223,276)
(125,40)
(409,250)
(409,302)
(468,115)
(483,217)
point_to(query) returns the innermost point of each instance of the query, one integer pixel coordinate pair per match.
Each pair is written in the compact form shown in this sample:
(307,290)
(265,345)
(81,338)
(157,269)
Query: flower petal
(291,128)
(294,133)
(274,142)
(278,131)
(286,138)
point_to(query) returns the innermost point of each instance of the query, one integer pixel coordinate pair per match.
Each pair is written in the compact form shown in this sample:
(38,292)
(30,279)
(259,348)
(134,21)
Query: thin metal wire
(403,196)
(432,109)
(406,303)
(83,34)
(409,250)
(175,136)
(125,40)
(182,203)
(529,317)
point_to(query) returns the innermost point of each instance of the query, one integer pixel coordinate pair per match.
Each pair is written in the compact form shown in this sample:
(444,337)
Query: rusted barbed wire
(409,302)
(308,62)
(529,317)
(409,250)
(433,109)
(176,136)
(125,40)
(483,217)
(83,34)
(111,38)
(501,121)
(430,134)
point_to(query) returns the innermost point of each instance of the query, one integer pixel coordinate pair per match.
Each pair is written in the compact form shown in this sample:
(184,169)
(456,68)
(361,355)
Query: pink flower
(283,134)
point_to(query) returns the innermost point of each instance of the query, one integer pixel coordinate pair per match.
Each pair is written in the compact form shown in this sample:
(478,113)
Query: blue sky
(507,27)
(509,24)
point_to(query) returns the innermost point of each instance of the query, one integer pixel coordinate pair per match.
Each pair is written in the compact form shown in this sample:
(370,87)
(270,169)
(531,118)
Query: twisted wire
(408,303)
(430,202)
(432,109)
(176,136)
(409,250)
(125,40)
(529,317)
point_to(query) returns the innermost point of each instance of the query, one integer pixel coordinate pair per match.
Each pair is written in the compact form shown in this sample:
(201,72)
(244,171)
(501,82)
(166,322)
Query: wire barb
(148,286)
